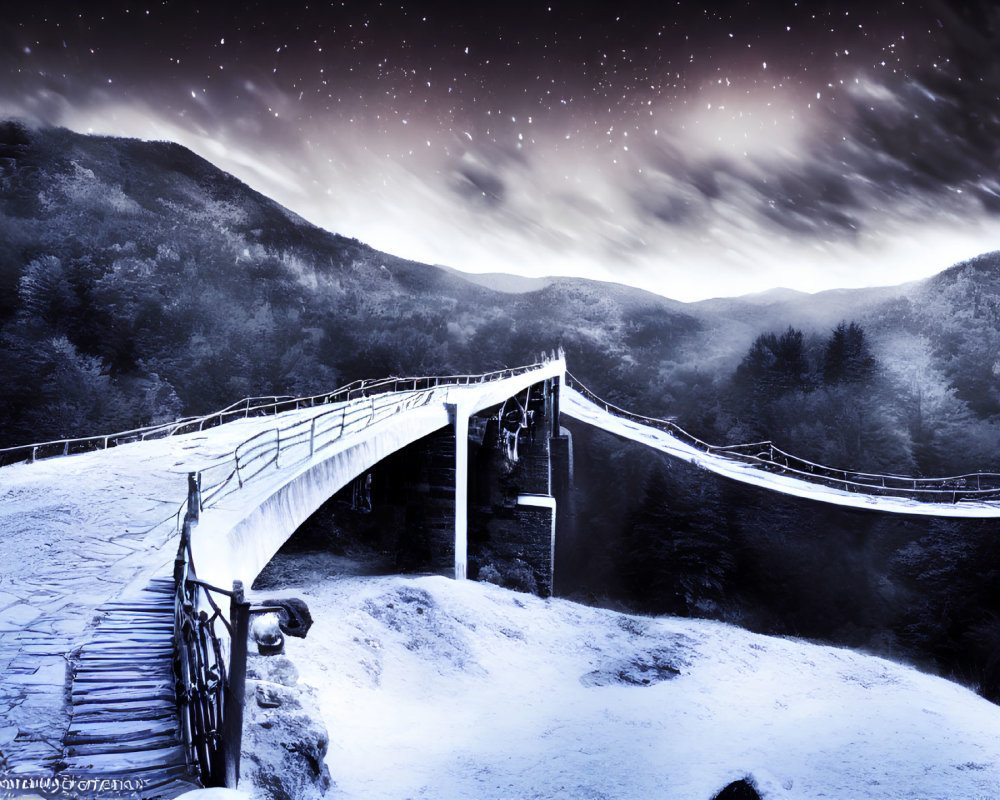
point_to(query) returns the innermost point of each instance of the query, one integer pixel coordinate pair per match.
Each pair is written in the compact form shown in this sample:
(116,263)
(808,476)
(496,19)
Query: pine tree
(847,357)
(678,553)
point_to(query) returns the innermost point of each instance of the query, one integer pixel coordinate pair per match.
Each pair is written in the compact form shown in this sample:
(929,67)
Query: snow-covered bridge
(97,597)
(763,465)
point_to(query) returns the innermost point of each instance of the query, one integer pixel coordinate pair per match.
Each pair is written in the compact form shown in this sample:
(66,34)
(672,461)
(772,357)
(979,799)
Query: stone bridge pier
(508,502)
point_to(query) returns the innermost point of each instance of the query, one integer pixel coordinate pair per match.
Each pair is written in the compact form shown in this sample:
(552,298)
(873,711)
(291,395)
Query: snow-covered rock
(284,740)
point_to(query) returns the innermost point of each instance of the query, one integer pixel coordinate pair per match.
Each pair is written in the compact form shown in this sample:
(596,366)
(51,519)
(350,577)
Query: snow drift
(432,688)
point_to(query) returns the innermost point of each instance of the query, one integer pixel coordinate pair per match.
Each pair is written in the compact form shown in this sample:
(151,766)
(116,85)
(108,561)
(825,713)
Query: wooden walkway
(124,719)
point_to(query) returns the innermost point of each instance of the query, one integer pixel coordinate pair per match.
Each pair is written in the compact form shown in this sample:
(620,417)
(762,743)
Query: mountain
(138,282)
(501,282)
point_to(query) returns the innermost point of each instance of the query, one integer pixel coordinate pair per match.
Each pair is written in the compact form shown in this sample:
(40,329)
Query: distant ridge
(501,281)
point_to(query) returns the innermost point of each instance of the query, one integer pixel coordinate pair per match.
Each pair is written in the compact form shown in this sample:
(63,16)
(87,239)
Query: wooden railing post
(232,717)
(194,496)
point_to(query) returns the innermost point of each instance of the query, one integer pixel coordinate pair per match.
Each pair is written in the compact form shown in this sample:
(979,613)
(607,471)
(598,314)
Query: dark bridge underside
(402,510)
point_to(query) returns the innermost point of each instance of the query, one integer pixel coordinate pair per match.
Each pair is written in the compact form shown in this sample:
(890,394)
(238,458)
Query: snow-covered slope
(439,689)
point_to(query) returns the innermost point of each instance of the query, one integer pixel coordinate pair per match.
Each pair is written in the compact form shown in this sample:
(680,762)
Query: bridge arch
(238,532)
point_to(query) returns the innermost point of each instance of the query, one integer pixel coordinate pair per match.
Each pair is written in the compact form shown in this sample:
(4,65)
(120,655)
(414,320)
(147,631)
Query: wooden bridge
(123,644)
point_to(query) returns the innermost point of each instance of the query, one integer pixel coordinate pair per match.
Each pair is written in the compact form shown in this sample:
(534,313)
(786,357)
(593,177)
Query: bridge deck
(576,405)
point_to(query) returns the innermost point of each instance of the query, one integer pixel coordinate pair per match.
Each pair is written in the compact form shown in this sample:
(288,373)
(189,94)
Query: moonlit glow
(687,151)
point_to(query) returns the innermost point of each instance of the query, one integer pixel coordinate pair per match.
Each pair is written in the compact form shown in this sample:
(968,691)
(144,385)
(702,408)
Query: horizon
(612,280)
(485,274)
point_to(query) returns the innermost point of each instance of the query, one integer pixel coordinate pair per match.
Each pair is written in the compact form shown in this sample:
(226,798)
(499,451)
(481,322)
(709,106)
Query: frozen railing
(299,441)
(370,401)
(765,456)
(209,701)
(242,409)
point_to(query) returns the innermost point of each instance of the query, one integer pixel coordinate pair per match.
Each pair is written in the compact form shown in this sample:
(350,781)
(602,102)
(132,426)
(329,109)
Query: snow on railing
(299,441)
(242,409)
(358,405)
(765,456)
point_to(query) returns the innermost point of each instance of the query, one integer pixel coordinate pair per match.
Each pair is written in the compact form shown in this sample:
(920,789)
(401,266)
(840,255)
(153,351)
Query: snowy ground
(432,688)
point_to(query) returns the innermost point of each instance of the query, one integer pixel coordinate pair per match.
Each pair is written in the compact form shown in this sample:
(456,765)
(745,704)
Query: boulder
(284,743)
(274,669)
(742,789)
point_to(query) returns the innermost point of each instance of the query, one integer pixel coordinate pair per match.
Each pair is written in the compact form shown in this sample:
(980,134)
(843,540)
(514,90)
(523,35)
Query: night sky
(691,151)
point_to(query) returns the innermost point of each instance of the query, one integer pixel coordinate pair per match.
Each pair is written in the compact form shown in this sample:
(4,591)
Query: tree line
(831,400)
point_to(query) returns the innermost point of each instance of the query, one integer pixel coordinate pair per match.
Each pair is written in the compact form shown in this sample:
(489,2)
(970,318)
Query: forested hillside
(138,282)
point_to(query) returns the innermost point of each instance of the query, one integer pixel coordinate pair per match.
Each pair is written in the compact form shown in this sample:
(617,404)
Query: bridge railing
(210,654)
(298,441)
(242,409)
(765,456)
(358,405)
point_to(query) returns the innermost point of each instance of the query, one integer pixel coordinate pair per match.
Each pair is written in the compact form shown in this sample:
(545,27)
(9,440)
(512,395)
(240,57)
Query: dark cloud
(813,201)
(478,184)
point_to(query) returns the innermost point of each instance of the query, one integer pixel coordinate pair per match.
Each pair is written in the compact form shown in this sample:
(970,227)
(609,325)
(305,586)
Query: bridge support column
(535,513)
(552,405)
(460,423)
(560,487)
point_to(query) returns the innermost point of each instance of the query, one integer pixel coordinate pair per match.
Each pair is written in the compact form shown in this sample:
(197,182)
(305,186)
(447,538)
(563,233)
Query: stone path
(76,533)
(56,574)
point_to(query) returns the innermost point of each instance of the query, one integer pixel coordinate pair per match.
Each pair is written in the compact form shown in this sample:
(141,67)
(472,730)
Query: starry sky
(692,149)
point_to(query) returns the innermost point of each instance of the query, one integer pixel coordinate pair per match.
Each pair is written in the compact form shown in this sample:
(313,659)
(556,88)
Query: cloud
(477,183)
(712,203)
